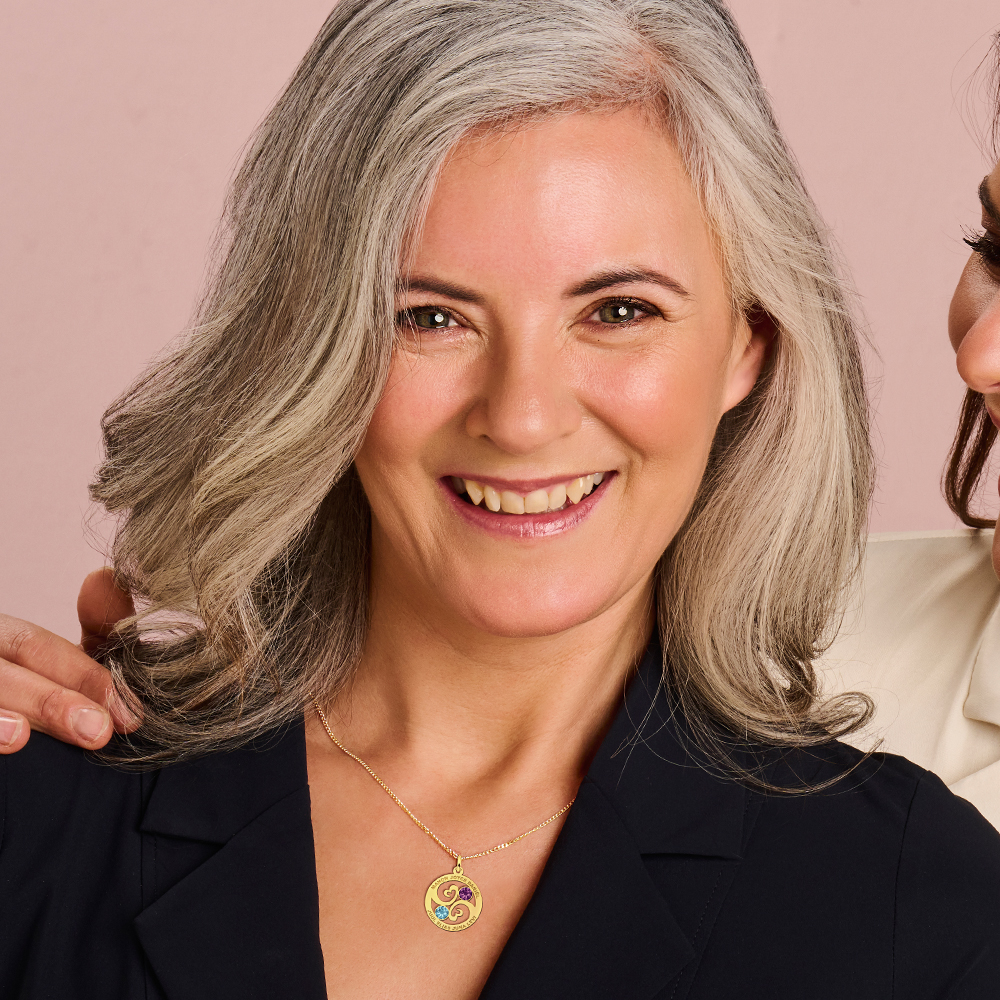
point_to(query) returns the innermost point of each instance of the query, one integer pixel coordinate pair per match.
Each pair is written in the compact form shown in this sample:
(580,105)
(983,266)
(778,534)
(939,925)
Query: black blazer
(198,882)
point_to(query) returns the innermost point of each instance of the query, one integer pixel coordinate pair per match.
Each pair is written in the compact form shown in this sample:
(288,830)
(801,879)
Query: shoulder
(959,551)
(87,848)
(911,640)
(50,790)
(70,864)
(910,806)
(947,893)
(53,776)
(53,795)
(881,884)
(889,838)
(915,581)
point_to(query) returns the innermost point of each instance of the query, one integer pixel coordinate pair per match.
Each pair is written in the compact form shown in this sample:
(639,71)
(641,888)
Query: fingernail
(9,729)
(89,723)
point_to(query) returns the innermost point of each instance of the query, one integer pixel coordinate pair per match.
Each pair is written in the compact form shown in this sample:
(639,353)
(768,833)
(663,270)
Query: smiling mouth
(556,498)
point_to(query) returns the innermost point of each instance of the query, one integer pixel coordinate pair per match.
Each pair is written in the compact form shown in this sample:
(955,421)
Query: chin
(499,612)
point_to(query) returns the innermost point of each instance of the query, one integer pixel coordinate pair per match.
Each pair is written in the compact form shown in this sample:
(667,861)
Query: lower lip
(528,526)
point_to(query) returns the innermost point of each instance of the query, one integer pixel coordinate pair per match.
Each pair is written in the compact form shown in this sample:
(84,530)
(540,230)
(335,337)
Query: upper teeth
(535,502)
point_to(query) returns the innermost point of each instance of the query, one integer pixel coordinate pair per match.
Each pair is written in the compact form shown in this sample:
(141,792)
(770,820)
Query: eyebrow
(986,200)
(627,276)
(445,288)
(597,283)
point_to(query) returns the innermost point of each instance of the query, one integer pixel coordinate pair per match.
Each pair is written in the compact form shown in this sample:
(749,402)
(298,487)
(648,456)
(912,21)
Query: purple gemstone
(465,893)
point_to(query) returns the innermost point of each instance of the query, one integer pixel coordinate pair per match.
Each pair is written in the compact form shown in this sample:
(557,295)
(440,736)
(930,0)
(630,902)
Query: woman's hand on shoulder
(48,684)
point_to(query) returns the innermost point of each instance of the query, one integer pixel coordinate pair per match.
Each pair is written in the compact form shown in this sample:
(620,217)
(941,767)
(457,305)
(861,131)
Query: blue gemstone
(441,913)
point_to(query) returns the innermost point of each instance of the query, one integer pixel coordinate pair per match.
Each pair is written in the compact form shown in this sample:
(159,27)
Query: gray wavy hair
(244,530)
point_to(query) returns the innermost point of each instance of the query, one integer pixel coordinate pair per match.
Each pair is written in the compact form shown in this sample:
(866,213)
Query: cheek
(963,309)
(974,330)
(665,406)
(975,295)
(421,400)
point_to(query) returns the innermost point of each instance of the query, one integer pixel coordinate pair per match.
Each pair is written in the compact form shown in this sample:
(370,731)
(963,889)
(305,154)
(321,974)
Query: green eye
(617,312)
(429,319)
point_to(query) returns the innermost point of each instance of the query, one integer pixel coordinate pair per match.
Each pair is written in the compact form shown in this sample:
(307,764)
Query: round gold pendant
(453,902)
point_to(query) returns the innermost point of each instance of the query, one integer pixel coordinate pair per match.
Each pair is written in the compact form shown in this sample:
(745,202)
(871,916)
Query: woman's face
(565,316)
(974,317)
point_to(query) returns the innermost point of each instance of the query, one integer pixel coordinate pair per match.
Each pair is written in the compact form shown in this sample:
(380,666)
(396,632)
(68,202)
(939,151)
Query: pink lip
(526,526)
(522,486)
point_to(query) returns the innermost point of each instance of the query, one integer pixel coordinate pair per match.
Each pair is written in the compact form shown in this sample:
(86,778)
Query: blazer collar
(598,926)
(240,919)
(212,798)
(665,792)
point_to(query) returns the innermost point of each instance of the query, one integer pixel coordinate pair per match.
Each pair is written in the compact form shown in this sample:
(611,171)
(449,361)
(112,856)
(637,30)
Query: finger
(51,708)
(100,606)
(14,732)
(65,666)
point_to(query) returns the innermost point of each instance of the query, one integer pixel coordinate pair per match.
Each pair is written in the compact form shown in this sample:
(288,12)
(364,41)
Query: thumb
(100,606)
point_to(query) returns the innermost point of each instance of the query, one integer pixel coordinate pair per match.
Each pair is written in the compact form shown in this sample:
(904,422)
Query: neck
(447,709)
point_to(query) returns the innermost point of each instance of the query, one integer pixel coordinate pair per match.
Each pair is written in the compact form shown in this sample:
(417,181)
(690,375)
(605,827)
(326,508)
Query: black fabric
(667,881)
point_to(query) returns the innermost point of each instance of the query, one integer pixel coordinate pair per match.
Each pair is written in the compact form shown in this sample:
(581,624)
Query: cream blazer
(924,642)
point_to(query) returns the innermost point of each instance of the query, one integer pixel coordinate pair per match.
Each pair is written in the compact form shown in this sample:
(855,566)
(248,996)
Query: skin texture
(974,320)
(495,663)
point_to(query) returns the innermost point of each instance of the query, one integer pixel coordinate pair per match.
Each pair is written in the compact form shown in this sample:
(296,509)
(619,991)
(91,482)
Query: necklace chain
(459,858)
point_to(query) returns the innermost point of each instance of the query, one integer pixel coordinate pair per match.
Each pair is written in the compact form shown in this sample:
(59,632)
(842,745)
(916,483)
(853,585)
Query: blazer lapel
(596,925)
(228,848)
(610,917)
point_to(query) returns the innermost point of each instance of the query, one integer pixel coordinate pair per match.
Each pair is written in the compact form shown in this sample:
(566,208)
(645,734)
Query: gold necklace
(452,902)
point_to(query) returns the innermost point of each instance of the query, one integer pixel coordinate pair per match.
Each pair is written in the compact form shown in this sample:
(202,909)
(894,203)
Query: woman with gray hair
(483,533)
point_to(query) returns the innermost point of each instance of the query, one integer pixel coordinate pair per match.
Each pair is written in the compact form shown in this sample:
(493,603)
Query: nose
(978,346)
(527,400)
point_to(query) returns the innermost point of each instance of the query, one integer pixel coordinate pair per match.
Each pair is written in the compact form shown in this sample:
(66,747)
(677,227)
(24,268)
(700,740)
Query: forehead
(572,193)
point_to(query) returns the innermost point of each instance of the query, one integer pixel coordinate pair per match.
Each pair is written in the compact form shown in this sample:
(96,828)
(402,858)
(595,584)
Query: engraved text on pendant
(453,902)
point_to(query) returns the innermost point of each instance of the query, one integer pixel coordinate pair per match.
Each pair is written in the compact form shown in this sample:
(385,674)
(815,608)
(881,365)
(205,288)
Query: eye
(616,312)
(987,246)
(621,311)
(426,318)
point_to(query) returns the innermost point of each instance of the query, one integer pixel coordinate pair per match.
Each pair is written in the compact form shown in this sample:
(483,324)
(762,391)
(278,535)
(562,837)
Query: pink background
(122,123)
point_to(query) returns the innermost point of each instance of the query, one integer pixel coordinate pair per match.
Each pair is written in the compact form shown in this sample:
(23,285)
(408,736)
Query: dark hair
(967,460)
(976,433)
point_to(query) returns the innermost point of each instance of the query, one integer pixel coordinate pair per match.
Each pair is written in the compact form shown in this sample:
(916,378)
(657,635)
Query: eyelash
(986,246)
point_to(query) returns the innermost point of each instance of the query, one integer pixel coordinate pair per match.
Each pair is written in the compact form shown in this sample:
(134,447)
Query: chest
(374,867)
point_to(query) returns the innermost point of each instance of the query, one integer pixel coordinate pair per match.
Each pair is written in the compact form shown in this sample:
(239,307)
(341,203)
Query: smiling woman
(583,149)
(495,512)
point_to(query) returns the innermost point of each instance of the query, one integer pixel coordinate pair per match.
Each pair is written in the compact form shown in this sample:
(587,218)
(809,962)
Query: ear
(753,339)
